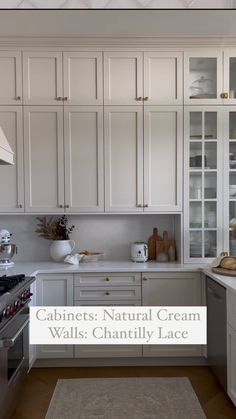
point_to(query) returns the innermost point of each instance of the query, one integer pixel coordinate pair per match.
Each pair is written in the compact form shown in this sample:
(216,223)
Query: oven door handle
(9,342)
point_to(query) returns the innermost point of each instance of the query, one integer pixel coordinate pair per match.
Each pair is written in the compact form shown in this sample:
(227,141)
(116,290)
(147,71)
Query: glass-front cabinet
(230,179)
(203,77)
(230,76)
(203,183)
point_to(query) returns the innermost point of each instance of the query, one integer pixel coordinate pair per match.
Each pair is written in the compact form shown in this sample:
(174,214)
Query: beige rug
(125,398)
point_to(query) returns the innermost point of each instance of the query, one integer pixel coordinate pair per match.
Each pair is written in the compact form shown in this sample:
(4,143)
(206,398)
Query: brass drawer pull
(107,293)
(144,278)
(107,279)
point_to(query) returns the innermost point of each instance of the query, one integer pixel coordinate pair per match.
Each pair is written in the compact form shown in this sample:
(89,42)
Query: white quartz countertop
(34,268)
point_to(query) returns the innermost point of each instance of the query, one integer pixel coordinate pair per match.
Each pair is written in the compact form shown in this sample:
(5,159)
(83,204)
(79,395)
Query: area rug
(125,398)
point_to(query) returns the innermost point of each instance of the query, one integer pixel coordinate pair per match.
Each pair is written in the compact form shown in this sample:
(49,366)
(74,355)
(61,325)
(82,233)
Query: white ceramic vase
(59,249)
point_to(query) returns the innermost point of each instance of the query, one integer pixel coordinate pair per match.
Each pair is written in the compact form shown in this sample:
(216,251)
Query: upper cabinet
(203,77)
(134,78)
(42,78)
(83,76)
(56,78)
(10,78)
(230,76)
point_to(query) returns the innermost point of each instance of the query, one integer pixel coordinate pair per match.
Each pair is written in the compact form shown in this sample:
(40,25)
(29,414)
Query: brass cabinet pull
(19,206)
(107,279)
(139,98)
(59,98)
(144,278)
(107,293)
(17,98)
(224,95)
(145,206)
(138,205)
(146,98)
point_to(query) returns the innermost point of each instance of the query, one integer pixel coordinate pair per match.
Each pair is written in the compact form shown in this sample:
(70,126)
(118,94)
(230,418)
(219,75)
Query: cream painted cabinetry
(56,78)
(107,289)
(172,289)
(10,78)
(143,158)
(135,77)
(54,290)
(48,151)
(12,177)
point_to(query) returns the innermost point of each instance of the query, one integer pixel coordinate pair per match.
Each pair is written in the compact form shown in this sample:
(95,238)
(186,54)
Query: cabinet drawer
(107,279)
(107,293)
(104,302)
(231,309)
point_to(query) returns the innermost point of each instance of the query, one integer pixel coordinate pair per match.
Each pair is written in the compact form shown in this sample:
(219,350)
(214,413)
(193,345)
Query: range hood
(6,153)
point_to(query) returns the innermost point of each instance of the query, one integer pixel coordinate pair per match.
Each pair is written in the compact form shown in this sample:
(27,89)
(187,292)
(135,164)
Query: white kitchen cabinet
(54,290)
(230,76)
(203,183)
(83,78)
(12,177)
(123,133)
(171,289)
(44,163)
(107,289)
(203,77)
(153,78)
(10,78)
(42,78)
(163,148)
(84,177)
(130,186)
(163,78)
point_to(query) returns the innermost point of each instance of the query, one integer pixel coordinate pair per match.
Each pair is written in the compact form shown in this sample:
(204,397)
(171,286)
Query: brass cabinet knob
(139,98)
(19,206)
(65,98)
(17,98)
(224,95)
(145,206)
(107,279)
(61,206)
(59,98)
(138,205)
(144,278)
(67,206)
(146,98)
(107,293)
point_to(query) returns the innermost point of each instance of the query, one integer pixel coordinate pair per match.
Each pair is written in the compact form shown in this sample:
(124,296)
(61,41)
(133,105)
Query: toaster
(139,252)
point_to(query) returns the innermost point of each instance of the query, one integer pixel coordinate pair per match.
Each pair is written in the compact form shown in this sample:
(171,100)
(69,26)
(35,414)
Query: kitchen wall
(111,234)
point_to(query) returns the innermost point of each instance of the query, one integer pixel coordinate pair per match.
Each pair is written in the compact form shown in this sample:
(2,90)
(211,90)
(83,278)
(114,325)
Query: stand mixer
(7,249)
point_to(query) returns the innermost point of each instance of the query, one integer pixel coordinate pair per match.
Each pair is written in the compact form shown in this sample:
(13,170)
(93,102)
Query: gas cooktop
(9,282)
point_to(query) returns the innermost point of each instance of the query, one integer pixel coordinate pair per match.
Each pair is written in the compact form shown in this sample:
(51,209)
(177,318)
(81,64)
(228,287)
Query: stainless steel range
(14,338)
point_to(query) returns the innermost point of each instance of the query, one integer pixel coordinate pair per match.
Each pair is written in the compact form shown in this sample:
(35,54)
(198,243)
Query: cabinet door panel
(83,78)
(10,78)
(123,78)
(230,76)
(42,78)
(84,190)
(231,363)
(54,290)
(167,289)
(163,75)
(12,180)
(163,158)
(44,170)
(123,158)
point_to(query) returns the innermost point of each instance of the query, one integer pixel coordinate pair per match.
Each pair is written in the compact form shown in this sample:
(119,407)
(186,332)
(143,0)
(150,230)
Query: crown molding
(127,42)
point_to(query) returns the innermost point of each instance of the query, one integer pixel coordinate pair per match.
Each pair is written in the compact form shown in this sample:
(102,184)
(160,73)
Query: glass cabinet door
(203,77)
(230,76)
(203,151)
(230,179)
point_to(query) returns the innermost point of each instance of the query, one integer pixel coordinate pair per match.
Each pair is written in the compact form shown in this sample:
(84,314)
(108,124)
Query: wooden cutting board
(223,271)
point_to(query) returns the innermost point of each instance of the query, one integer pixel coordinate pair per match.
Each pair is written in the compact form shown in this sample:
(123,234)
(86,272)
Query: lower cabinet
(116,289)
(231,346)
(54,290)
(172,289)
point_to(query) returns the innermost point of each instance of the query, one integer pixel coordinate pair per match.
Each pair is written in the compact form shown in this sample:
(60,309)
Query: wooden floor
(39,386)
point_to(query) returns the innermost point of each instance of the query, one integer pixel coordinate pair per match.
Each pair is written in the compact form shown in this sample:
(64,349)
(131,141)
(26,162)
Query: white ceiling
(87,4)
(117,23)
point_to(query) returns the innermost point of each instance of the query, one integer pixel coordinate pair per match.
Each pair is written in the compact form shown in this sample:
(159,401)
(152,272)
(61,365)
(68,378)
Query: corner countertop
(229,282)
(34,268)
